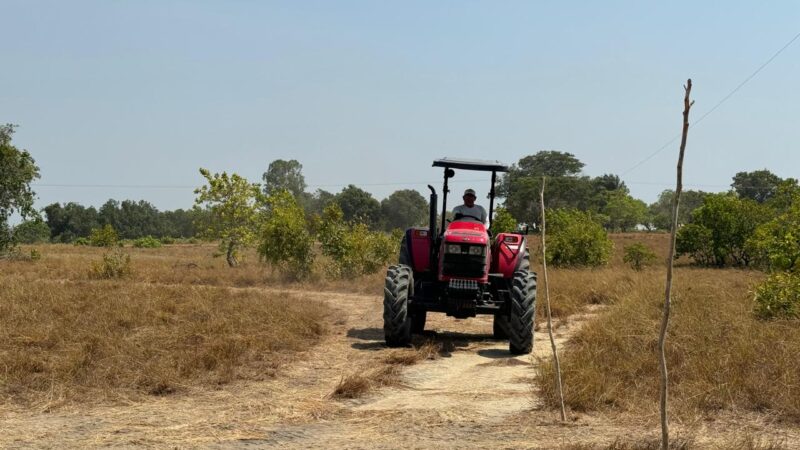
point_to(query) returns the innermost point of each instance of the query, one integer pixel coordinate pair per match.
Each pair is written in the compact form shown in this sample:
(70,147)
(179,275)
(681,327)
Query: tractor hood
(466,232)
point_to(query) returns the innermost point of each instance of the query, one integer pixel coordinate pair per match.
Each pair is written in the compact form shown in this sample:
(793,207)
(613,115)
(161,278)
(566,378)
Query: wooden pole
(547,304)
(687,104)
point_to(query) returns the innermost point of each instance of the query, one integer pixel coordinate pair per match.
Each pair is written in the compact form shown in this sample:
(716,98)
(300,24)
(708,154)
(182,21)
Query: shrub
(352,247)
(167,240)
(778,297)
(81,241)
(147,242)
(32,232)
(284,239)
(728,222)
(695,240)
(36,255)
(639,256)
(775,245)
(115,264)
(503,222)
(576,238)
(104,237)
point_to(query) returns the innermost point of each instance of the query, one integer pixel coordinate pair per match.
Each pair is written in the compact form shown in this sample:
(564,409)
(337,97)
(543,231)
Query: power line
(719,103)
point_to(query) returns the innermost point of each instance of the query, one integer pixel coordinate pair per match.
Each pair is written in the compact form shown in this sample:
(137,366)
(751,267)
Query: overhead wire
(717,105)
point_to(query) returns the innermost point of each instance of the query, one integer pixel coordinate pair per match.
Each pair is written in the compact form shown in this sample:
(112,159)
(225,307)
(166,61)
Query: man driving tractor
(469,210)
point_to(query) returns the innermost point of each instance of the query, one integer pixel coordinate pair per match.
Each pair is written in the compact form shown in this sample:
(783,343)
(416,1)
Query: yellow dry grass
(65,337)
(719,355)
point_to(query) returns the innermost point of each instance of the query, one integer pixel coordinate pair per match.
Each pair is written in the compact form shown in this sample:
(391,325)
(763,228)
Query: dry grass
(744,442)
(357,385)
(186,264)
(88,340)
(719,355)
(649,444)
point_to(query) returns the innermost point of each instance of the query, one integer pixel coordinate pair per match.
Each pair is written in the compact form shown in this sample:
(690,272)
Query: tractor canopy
(471,164)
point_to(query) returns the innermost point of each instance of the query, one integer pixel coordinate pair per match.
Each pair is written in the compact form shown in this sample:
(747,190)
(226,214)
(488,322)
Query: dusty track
(475,395)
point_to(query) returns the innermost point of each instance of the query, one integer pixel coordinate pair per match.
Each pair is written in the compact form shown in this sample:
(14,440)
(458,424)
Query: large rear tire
(522,312)
(396,320)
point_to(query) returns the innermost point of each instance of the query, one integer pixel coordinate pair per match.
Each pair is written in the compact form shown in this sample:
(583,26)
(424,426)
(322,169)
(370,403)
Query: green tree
(403,209)
(106,236)
(18,170)
(503,222)
(284,240)
(759,185)
(566,188)
(285,175)
(576,238)
(786,194)
(775,245)
(638,256)
(231,205)
(729,221)
(358,205)
(132,219)
(70,221)
(352,248)
(623,211)
(660,212)
(32,232)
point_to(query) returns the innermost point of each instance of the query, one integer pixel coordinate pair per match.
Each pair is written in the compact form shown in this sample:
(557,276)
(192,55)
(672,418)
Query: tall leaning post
(687,105)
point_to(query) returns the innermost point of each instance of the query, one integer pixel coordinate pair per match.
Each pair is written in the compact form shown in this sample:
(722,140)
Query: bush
(32,232)
(167,240)
(115,264)
(639,256)
(695,240)
(147,242)
(81,241)
(503,222)
(354,249)
(284,239)
(576,238)
(775,245)
(104,237)
(729,222)
(778,297)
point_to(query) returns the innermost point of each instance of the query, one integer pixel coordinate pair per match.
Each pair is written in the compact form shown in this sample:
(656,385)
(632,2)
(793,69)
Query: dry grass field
(183,332)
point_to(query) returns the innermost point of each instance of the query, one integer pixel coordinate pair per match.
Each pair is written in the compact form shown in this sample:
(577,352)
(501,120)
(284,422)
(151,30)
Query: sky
(128,99)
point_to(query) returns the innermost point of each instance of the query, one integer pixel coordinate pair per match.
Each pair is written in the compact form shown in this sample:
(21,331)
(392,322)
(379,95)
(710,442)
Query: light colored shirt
(471,213)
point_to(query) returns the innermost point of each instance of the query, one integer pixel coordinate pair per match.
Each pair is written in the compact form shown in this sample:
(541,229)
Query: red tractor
(460,269)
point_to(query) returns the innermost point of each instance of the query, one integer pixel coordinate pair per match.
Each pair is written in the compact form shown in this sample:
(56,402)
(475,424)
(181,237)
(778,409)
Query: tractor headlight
(476,250)
(453,248)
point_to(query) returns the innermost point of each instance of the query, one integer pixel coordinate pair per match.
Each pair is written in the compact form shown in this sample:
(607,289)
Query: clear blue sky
(369,93)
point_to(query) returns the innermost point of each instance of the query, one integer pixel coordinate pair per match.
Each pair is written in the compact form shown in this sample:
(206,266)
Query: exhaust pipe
(433,205)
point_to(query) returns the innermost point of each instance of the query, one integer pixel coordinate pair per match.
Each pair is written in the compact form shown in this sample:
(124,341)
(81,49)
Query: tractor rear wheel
(396,320)
(523,311)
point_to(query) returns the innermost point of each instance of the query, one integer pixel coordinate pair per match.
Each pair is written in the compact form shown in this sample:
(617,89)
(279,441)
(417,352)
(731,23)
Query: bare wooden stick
(547,304)
(662,338)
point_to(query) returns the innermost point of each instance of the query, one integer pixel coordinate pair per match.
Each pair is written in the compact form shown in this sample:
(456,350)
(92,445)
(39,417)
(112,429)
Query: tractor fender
(508,253)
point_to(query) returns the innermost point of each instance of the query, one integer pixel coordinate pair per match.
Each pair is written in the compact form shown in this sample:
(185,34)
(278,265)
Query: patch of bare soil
(474,394)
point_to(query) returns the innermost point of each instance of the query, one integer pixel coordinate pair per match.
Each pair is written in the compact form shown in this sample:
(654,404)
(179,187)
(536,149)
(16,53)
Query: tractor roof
(471,164)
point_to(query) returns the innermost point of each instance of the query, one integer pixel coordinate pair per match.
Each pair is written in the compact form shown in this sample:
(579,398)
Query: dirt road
(475,395)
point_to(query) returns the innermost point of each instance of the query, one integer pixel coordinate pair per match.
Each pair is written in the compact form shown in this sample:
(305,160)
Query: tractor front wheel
(523,311)
(396,291)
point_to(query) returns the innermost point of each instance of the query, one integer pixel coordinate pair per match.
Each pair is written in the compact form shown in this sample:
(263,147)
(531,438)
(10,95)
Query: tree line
(606,198)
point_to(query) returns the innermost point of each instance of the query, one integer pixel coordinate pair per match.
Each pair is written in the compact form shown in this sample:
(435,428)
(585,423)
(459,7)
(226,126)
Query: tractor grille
(469,266)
